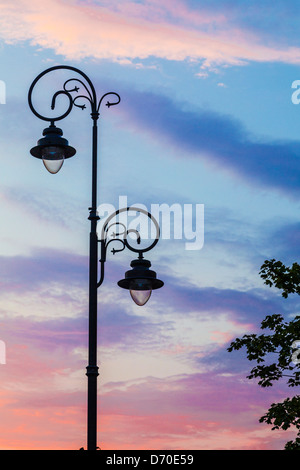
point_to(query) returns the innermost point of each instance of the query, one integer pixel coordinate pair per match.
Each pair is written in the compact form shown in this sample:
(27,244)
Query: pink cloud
(27,428)
(37,408)
(196,411)
(130,31)
(43,402)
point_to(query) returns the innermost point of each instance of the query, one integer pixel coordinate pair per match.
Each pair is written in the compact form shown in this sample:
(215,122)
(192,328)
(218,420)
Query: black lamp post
(53,149)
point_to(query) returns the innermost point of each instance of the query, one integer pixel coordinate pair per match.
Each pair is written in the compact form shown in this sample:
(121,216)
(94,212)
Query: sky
(207,128)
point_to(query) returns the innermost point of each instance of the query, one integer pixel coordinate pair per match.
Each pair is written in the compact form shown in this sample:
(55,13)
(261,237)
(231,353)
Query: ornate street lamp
(53,149)
(140,280)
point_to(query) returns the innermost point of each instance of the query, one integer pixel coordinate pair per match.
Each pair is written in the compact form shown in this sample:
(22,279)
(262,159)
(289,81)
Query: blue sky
(206,117)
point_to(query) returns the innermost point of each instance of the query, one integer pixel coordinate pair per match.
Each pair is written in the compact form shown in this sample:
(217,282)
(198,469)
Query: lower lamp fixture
(140,281)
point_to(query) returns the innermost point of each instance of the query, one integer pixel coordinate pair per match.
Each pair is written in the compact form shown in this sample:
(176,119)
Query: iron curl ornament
(140,280)
(53,149)
(90,90)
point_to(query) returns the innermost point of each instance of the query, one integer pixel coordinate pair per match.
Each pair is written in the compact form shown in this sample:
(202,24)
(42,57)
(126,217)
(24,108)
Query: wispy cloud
(43,341)
(205,404)
(285,240)
(217,138)
(170,31)
(29,271)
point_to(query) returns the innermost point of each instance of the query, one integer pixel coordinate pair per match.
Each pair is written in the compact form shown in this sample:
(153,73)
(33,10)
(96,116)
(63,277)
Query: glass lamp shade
(140,297)
(53,158)
(140,291)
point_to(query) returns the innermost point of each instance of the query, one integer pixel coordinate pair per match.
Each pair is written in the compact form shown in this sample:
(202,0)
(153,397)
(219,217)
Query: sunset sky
(206,120)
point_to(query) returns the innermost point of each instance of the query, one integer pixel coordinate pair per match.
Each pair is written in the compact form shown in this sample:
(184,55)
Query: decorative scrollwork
(125,232)
(86,84)
(76,88)
(108,104)
(122,237)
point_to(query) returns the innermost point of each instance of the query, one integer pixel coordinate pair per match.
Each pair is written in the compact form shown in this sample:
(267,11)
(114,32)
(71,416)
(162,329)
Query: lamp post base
(92,374)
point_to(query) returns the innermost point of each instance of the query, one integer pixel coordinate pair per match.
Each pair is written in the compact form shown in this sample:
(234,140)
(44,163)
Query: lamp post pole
(53,149)
(92,368)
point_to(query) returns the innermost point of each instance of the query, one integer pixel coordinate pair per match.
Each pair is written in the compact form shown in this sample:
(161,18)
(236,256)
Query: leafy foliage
(280,342)
(276,353)
(283,416)
(285,278)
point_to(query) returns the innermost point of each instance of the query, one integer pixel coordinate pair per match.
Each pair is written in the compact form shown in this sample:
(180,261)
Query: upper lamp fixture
(140,281)
(53,149)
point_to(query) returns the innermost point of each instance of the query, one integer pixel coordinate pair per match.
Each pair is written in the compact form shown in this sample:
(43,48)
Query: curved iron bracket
(86,84)
(122,237)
